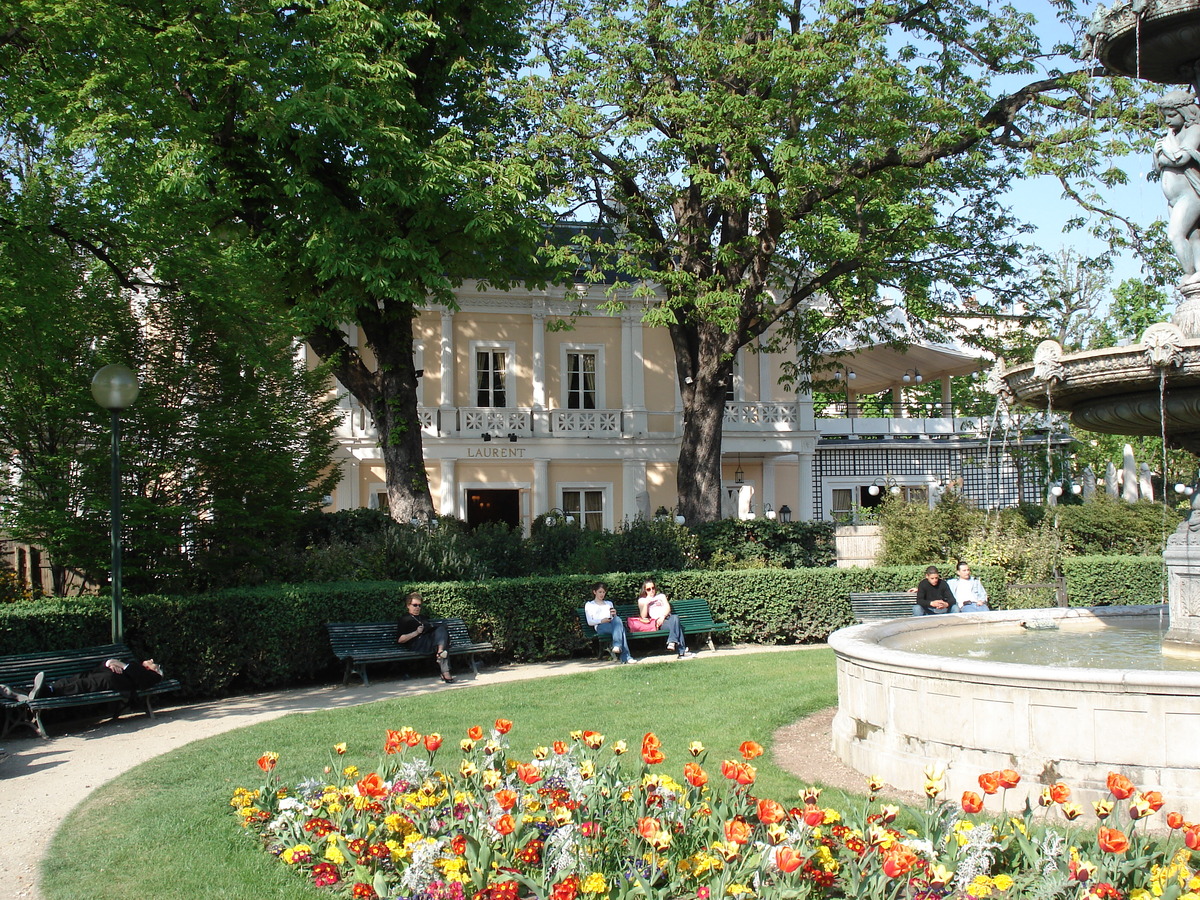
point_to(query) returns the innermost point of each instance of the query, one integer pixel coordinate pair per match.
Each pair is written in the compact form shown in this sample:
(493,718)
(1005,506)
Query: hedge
(270,637)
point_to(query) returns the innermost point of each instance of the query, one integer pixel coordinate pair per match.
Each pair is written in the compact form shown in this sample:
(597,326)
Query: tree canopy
(789,171)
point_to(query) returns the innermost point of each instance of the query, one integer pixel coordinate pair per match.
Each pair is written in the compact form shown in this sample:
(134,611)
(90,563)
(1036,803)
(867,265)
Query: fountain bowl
(901,711)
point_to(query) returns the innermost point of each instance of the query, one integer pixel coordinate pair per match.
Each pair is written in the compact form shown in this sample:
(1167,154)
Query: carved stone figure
(1177,166)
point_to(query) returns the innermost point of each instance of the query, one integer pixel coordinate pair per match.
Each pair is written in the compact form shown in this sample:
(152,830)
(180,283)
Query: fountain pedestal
(1182,559)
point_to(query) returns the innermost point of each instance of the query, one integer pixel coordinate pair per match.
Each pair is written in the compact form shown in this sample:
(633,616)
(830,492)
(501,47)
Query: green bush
(270,637)
(766,543)
(915,533)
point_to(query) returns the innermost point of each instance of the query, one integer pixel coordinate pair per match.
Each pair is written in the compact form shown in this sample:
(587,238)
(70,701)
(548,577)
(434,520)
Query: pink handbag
(635,623)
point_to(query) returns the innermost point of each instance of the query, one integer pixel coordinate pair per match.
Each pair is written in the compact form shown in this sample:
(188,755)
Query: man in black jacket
(933,595)
(113,675)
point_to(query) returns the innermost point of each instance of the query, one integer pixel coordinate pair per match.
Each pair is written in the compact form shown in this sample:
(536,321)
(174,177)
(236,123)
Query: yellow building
(520,416)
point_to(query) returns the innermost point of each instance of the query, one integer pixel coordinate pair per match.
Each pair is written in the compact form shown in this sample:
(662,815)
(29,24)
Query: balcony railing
(586,422)
(761,416)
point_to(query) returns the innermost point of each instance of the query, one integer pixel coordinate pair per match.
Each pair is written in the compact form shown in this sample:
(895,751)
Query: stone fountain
(899,710)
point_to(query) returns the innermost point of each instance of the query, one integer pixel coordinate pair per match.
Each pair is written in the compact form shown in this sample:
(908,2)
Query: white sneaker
(631,661)
(616,654)
(686,654)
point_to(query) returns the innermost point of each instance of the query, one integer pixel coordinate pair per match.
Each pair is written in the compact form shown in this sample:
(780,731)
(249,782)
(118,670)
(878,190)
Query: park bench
(870,606)
(18,672)
(694,615)
(359,643)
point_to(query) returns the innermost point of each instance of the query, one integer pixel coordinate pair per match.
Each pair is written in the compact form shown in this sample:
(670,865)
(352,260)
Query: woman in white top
(655,615)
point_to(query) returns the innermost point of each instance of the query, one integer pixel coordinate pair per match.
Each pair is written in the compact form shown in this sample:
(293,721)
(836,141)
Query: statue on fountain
(1177,166)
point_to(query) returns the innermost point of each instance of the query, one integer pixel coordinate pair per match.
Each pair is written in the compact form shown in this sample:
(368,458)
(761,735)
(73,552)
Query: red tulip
(475,732)
(737,831)
(1112,840)
(1154,800)
(503,726)
(813,816)
(770,812)
(989,782)
(1008,778)
(1175,820)
(560,747)
(505,824)
(695,774)
(1120,786)
(750,750)
(268,761)
(506,799)
(1059,792)
(1191,837)
(432,742)
(788,860)
(971,802)
(371,786)
(529,773)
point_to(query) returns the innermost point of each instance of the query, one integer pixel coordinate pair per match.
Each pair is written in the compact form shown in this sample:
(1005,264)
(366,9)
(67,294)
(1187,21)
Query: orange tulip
(1120,786)
(652,833)
(560,747)
(475,732)
(393,742)
(432,742)
(1008,778)
(695,774)
(971,802)
(989,782)
(788,860)
(529,773)
(1191,837)
(503,726)
(371,786)
(593,739)
(750,750)
(410,736)
(897,860)
(505,824)
(1112,840)
(1059,792)
(268,761)
(506,799)
(813,816)
(652,753)
(1175,820)
(770,812)
(737,831)
(650,740)
(1154,799)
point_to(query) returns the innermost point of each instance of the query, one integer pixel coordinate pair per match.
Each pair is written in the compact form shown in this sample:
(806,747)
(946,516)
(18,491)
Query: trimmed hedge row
(270,637)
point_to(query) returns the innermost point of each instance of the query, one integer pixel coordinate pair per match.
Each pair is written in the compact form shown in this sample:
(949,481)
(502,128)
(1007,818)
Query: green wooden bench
(694,615)
(18,672)
(359,643)
(871,606)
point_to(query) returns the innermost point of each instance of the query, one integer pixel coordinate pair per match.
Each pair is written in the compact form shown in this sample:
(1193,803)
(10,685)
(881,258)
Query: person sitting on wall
(602,615)
(113,675)
(933,595)
(415,632)
(968,591)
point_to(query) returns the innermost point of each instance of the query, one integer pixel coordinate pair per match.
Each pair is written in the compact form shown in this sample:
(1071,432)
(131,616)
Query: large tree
(351,148)
(783,170)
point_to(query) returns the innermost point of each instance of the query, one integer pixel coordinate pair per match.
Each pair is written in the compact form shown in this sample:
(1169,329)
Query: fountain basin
(1116,391)
(900,711)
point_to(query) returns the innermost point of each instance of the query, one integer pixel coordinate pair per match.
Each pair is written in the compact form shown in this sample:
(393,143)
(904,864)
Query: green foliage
(915,533)
(1115,580)
(766,543)
(11,587)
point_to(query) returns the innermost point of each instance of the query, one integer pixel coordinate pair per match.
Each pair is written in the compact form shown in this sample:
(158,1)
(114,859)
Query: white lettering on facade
(495,453)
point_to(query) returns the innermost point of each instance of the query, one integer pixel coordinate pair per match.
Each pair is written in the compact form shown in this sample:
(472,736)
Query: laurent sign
(495,453)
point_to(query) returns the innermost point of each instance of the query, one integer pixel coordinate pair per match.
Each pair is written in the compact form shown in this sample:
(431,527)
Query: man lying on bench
(113,675)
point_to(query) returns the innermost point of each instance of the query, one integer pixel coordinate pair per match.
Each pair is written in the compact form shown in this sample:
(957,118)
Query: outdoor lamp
(785,513)
(769,511)
(115,388)
(912,375)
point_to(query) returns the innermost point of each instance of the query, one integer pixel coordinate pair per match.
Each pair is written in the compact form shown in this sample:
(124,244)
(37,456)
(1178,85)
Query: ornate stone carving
(1164,345)
(1047,362)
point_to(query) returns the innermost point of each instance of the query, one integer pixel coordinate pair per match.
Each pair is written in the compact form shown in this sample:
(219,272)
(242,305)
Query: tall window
(842,507)
(490,366)
(587,506)
(581,380)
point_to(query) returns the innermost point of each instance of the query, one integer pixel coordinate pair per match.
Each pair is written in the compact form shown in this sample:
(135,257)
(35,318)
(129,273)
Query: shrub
(766,543)
(914,532)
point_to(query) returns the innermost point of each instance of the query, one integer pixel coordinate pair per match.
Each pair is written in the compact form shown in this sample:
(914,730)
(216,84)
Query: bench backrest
(351,638)
(18,671)
(882,605)
(693,613)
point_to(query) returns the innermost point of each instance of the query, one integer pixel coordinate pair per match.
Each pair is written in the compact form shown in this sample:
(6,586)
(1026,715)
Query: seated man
(968,592)
(113,675)
(933,595)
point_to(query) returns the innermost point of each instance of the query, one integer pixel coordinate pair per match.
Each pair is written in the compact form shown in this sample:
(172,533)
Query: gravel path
(41,781)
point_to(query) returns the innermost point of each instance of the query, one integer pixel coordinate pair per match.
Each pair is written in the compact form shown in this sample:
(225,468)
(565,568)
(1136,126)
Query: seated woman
(415,632)
(656,614)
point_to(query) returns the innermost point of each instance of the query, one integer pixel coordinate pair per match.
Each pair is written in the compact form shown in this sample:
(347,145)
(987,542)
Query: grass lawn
(164,829)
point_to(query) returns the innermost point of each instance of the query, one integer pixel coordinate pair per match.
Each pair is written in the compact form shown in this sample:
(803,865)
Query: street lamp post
(115,388)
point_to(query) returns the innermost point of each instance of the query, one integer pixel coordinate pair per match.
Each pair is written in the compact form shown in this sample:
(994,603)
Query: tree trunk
(700,355)
(390,393)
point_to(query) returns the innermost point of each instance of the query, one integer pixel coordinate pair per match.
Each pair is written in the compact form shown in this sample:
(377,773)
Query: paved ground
(42,780)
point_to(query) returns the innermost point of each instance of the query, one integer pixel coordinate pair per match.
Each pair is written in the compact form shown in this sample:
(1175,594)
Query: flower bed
(573,823)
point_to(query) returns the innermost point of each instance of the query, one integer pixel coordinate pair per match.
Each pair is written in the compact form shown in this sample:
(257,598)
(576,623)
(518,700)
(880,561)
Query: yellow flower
(619,747)
(825,859)
(981,886)
(776,833)
(289,855)
(1002,882)
(491,747)
(340,749)
(334,855)
(1017,825)
(350,772)
(466,745)
(560,815)
(695,748)
(737,890)
(587,769)
(594,884)
(577,735)
(468,769)
(541,752)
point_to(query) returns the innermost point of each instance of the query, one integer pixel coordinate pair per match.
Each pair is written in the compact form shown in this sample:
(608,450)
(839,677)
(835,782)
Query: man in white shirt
(968,591)
(602,616)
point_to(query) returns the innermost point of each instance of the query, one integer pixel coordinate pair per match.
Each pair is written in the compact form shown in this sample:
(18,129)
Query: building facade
(527,407)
